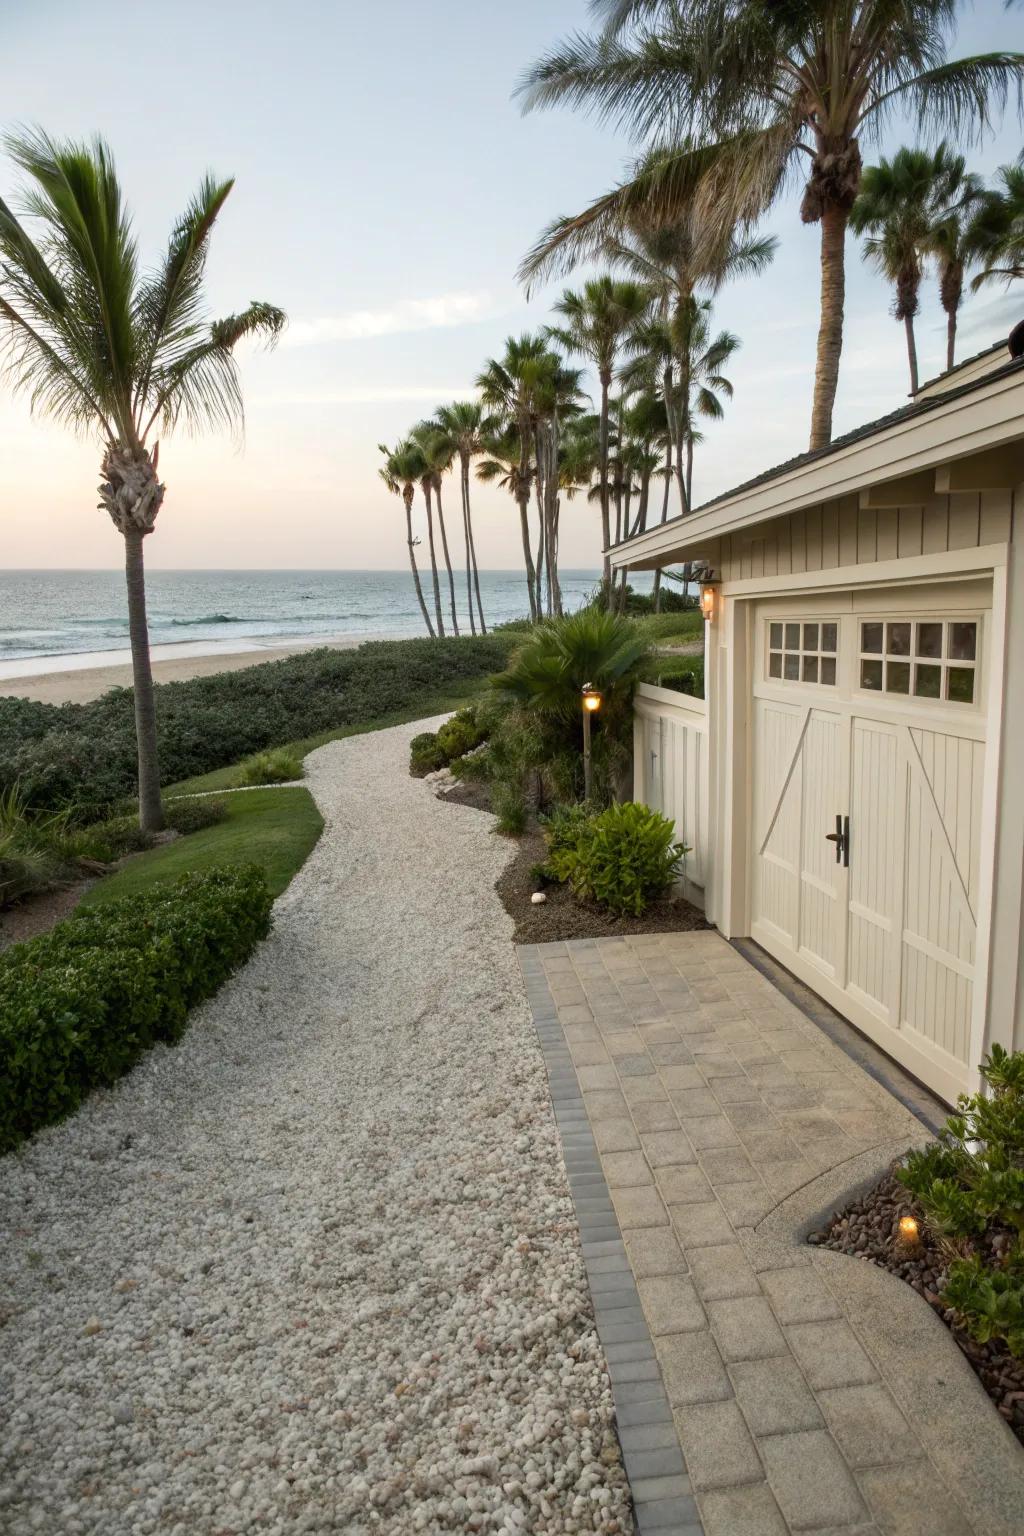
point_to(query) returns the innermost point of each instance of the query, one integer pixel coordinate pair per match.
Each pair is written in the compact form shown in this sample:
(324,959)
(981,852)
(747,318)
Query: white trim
(902,573)
(686,703)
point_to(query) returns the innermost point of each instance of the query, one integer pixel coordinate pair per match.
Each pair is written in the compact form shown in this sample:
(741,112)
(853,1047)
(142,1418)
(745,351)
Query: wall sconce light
(708,599)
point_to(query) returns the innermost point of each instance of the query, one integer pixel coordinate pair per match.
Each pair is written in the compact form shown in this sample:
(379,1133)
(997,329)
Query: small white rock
(538,898)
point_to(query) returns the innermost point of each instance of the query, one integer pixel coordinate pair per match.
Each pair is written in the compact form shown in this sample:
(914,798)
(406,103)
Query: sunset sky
(387,187)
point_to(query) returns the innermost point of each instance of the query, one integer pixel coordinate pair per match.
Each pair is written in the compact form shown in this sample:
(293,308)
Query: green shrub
(431,750)
(278,766)
(80,1004)
(34,849)
(84,755)
(108,841)
(621,858)
(194,813)
(969,1186)
(509,806)
(683,674)
(425,755)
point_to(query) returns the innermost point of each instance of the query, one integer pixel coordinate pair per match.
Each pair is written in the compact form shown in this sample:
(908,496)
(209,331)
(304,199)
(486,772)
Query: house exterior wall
(850,557)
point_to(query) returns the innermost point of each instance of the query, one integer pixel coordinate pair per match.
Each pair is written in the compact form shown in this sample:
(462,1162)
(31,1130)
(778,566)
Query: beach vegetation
(995,235)
(81,757)
(129,356)
(81,1004)
(276,766)
(733,96)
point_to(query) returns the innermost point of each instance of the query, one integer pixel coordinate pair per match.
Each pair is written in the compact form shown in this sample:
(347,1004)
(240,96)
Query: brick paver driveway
(692,1098)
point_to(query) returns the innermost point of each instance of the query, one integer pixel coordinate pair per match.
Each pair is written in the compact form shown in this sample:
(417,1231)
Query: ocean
(59,620)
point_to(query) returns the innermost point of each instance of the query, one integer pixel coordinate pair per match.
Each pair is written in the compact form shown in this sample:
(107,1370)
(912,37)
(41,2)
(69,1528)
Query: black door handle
(841,838)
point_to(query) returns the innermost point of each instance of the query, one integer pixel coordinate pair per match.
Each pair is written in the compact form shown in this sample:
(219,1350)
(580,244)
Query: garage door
(868,736)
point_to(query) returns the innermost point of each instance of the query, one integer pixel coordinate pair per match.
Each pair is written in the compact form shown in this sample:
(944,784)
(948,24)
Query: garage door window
(803,651)
(920,658)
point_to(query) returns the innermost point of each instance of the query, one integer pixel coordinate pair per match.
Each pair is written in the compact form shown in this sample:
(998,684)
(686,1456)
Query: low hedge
(79,1005)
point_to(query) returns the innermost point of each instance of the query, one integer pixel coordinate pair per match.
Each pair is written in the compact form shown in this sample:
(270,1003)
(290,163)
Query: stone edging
(662,1497)
(915,1352)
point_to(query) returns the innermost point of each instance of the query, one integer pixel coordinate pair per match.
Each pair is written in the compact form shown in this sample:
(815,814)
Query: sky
(387,188)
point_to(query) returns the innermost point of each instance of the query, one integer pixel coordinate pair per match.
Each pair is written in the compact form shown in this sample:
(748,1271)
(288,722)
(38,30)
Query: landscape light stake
(908,1239)
(591,704)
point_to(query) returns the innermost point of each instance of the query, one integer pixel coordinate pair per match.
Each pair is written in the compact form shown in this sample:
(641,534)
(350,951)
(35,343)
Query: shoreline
(87,675)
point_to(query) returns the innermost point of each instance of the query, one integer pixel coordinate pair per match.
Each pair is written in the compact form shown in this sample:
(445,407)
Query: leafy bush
(194,813)
(683,674)
(278,766)
(34,849)
(431,750)
(84,755)
(621,858)
(970,1187)
(509,806)
(80,1004)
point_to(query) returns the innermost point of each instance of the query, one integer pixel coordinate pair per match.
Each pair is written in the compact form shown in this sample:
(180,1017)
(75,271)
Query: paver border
(663,1502)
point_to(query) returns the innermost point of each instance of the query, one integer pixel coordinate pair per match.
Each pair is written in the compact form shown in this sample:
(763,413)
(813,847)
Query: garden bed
(866,1229)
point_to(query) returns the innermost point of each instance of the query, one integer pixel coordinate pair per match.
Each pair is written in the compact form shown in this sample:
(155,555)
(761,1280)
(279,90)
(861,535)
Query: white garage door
(868,758)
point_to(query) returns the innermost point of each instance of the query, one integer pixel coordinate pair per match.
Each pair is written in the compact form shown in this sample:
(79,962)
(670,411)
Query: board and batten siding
(670,771)
(842,533)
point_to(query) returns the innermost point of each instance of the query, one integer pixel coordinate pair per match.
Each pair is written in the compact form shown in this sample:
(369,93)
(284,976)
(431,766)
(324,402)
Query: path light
(592,701)
(908,1237)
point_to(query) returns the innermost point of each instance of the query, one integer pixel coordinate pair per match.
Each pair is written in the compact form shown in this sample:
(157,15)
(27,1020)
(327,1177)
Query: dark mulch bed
(866,1230)
(38,914)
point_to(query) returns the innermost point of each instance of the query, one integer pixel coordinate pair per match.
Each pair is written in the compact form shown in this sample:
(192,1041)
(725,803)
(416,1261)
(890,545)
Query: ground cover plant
(80,1004)
(83,756)
(621,858)
(278,766)
(273,828)
(967,1192)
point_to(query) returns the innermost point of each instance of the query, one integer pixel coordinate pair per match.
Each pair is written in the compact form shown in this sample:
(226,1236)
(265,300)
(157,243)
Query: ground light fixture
(592,701)
(908,1237)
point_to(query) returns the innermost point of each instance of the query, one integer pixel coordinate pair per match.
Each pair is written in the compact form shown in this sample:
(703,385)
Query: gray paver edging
(937,1390)
(655,1467)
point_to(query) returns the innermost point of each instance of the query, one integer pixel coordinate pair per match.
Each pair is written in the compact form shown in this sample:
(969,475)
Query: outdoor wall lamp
(591,698)
(708,597)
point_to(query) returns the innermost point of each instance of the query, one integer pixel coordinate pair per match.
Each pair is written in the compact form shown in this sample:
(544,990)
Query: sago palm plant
(102,347)
(739,93)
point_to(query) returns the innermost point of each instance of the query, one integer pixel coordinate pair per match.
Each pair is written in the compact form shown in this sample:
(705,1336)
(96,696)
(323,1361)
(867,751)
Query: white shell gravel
(316,1269)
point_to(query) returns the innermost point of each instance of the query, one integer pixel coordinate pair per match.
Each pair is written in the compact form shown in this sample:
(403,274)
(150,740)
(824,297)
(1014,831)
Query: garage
(859,753)
(868,759)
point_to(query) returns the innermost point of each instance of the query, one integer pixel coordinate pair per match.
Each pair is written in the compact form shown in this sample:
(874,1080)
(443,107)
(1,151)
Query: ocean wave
(211,618)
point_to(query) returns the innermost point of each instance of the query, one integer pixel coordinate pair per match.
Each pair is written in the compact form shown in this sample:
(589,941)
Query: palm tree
(460,427)
(995,235)
(510,386)
(436,460)
(735,91)
(402,469)
(558,402)
(596,320)
(897,207)
(948,243)
(102,348)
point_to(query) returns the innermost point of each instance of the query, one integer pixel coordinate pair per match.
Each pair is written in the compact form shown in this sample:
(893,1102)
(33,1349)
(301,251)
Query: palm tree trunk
(524,528)
(151,812)
(472,546)
(656,590)
(433,560)
(464,492)
(415,571)
(830,324)
(538,492)
(606,526)
(950,339)
(908,326)
(447,559)
(689,473)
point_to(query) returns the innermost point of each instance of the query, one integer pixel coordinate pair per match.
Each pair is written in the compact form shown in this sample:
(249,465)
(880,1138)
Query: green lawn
(455,696)
(277,828)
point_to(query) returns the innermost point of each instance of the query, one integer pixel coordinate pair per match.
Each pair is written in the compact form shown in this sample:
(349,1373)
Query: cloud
(407,315)
(375,394)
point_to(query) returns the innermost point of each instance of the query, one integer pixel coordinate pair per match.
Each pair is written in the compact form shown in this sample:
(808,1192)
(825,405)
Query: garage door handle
(841,838)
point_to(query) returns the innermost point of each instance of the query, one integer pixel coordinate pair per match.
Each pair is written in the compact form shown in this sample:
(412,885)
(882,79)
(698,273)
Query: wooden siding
(842,533)
(670,771)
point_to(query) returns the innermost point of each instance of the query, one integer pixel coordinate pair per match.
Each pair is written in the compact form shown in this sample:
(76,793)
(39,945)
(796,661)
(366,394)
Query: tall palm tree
(736,91)
(460,427)
(595,321)
(510,386)
(995,236)
(102,348)
(401,472)
(558,402)
(437,460)
(896,208)
(948,243)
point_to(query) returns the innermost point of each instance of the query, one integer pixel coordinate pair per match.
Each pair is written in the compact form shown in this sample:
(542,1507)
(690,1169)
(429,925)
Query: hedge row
(83,755)
(79,1005)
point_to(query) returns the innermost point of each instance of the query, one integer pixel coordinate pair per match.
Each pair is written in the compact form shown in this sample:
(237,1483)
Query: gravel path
(316,1269)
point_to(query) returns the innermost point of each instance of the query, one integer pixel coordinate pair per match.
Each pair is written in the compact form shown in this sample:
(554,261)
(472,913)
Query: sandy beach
(82,682)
